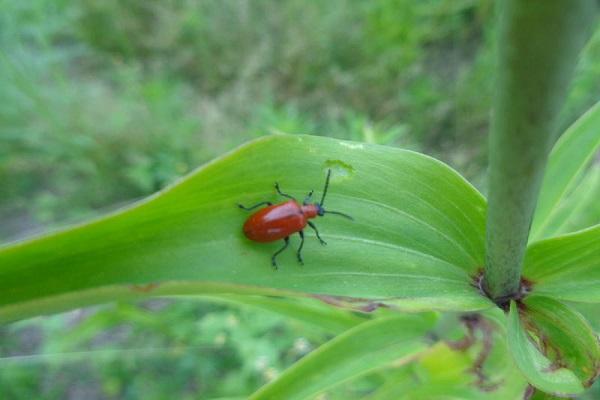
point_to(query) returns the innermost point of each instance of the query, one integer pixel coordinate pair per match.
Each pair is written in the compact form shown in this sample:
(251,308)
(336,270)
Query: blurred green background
(103,102)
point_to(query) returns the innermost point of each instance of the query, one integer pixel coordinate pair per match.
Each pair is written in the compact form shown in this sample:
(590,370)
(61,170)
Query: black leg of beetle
(299,252)
(281,193)
(273,260)
(308,198)
(262,203)
(317,232)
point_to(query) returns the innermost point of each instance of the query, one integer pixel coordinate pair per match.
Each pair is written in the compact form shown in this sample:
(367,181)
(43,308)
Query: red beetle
(279,221)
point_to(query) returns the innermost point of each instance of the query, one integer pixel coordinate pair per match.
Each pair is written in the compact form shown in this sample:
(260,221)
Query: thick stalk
(539,41)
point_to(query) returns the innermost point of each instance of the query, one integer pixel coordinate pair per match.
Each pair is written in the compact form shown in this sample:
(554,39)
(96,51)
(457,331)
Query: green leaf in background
(367,347)
(442,373)
(581,209)
(398,381)
(566,267)
(569,157)
(228,398)
(418,235)
(330,319)
(566,335)
(539,371)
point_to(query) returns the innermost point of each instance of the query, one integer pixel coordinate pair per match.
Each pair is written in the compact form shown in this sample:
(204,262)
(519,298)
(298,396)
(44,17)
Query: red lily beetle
(279,221)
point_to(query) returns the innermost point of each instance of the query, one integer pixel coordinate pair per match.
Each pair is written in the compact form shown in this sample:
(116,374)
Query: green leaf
(537,395)
(330,319)
(591,312)
(566,335)
(229,398)
(568,159)
(581,209)
(539,371)
(418,235)
(444,374)
(398,381)
(566,267)
(363,349)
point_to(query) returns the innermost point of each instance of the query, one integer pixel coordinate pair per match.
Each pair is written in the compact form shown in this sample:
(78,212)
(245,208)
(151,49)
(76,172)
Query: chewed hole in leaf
(340,170)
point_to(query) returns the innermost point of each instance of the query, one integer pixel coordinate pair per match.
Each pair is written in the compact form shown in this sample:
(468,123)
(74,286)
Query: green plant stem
(539,41)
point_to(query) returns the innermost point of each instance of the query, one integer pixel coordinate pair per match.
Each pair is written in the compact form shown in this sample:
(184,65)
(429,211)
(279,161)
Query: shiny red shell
(278,221)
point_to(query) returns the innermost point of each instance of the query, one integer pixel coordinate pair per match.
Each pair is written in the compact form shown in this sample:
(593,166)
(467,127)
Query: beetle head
(320,209)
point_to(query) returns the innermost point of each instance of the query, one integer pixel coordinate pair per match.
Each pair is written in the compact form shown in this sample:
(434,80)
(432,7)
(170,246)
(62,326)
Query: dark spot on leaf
(529,392)
(351,303)
(475,322)
(144,288)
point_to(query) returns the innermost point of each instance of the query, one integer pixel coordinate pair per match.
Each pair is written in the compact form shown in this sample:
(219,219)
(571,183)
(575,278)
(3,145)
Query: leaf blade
(363,349)
(329,319)
(580,210)
(566,334)
(537,368)
(569,157)
(423,240)
(566,267)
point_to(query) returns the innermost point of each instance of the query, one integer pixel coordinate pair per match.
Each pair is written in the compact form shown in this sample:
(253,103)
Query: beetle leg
(308,197)
(273,261)
(262,203)
(299,252)
(317,232)
(281,193)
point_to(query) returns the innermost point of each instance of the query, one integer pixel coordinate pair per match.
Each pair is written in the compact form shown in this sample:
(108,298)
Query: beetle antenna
(339,213)
(326,187)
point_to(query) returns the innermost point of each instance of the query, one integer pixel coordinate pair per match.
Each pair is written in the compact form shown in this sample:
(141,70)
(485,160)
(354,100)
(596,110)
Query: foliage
(124,351)
(157,88)
(198,245)
(86,89)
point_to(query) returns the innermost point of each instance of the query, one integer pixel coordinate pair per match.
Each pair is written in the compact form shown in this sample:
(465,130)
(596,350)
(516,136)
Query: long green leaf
(566,267)
(369,346)
(581,209)
(418,234)
(538,370)
(330,319)
(571,154)
(567,336)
